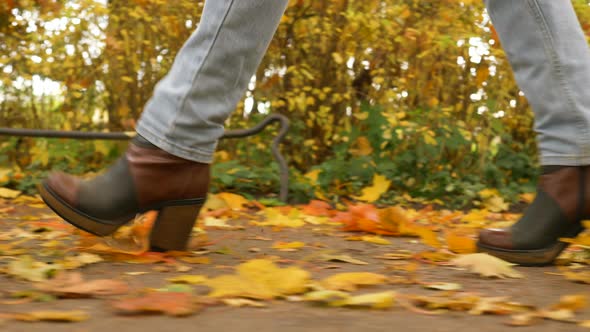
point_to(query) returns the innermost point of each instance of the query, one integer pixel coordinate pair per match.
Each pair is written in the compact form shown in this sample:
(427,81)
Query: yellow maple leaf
(233,201)
(288,245)
(381,300)
(380,186)
(274,217)
(260,279)
(350,281)
(9,193)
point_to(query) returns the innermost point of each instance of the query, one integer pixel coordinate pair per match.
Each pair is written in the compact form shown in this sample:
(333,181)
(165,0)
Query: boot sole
(171,230)
(537,257)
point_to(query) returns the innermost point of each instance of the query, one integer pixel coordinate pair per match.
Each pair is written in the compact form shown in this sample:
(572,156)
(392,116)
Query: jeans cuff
(189,153)
(571,160)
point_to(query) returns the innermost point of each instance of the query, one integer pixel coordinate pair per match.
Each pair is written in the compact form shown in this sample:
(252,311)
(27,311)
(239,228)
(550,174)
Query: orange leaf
(460,241)
(170,303)
(318,208)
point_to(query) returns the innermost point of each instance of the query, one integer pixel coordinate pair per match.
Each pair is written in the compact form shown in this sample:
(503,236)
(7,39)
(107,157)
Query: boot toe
(65,186)
(495,237)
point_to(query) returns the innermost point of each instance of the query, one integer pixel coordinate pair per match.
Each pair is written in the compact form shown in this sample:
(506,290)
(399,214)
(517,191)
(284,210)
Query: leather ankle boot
(562,202)
(145,178)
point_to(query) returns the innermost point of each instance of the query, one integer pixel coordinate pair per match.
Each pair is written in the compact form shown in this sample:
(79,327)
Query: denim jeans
(211,71)
(551,62)
(543,40)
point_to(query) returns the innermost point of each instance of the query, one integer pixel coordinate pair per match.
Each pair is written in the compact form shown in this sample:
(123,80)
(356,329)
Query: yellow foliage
(380,186)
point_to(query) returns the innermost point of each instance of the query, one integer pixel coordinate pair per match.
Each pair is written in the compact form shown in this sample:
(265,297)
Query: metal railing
(236,133)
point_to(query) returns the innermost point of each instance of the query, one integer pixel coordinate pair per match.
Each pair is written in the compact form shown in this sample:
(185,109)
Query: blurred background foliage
(418,91)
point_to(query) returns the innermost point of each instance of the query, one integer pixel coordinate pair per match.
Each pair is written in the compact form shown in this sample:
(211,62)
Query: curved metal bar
(66,134)
(236,133)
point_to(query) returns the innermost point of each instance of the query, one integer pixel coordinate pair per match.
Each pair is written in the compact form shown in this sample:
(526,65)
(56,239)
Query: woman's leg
(166,167)
(551,62)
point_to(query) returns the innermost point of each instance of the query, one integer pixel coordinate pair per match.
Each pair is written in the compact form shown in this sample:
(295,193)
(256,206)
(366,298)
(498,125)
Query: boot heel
(173,227)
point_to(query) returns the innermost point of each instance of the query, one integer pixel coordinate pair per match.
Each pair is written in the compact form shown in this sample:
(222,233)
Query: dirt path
(540,287)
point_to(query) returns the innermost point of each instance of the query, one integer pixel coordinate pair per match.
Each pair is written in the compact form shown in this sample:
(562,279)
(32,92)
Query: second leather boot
(562,202)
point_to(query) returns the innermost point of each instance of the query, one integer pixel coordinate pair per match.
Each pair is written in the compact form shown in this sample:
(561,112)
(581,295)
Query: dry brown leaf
(73,285)
(342,258)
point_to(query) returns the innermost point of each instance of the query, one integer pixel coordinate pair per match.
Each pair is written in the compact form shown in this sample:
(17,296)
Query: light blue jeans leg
(186,114)
(551,62)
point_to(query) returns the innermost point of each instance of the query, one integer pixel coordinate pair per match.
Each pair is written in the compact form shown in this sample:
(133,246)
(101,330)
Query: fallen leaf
(52,316)
(170,303)
(189,279)
(25,267)
(395,256)
(243,303)
(217,223)
(370,239)
(9,193)
(82,259)
(562,315)
(364,218)
(582,240)
(195,260)
(288,245)
(260,279)
(460,241)
(486,265)
(274,217)
(524,319)
(325,296)
(499,306)
(233,201)
(571,302)
(350,281)
(435,257)
(392,217)
(444,286)
(581,277)
(72,285)
(461,302)
(136,273)
(342,258)
(317,208)
(381,300)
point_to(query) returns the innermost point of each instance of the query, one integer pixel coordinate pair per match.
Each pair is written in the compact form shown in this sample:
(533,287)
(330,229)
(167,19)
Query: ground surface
(540,287)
